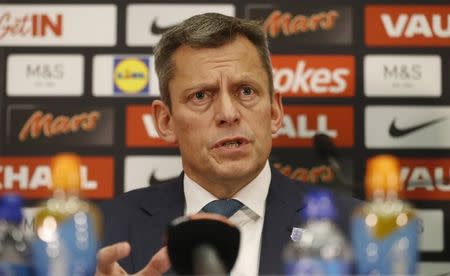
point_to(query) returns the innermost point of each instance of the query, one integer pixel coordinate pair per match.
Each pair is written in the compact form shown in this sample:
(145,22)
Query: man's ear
(163,121)
(277,112)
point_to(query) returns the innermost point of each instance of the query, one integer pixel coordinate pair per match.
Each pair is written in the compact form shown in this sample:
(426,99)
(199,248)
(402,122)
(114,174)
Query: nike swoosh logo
(158,30)
(156,181)
(394,131)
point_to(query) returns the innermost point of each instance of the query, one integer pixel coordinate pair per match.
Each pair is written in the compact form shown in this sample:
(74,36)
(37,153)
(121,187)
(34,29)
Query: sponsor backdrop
(79,76)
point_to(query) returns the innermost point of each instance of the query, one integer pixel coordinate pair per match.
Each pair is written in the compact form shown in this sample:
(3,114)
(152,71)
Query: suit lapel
(283,203)
(158,208)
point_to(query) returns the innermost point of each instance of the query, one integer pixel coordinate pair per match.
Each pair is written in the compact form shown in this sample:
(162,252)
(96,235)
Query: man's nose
(227,112)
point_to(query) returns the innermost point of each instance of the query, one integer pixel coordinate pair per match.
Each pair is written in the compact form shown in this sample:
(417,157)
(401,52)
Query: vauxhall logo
(416,25)
(407,25)
(298,127)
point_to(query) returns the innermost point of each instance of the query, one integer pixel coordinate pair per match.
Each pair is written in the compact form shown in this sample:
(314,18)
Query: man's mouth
(231,143)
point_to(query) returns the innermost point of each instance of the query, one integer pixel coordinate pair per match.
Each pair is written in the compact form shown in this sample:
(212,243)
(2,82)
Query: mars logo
(131,75)
(31,176)
(50,125)
(291,26)
(408,25)
(426,179)
(301,123)
(286,24)
(141,129)
(314,76)
(32,125)
(322,174)
(34,25)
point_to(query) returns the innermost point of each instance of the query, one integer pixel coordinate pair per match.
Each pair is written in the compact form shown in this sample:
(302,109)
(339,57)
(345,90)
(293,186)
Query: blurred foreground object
(67,228)
(384,230)
(14,249)
(203,244)
(320,248)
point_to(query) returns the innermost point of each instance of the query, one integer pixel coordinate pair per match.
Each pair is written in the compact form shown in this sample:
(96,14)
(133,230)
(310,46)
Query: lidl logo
(131,75)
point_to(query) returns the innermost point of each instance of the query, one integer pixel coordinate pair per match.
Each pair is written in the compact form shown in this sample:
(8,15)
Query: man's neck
(224,188)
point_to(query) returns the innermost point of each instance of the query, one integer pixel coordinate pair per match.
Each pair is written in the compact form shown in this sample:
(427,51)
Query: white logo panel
(143,171)
(147,22)
(45,75)
(58,25)
(407,127)
(431,228)
(402,76)
(104,76)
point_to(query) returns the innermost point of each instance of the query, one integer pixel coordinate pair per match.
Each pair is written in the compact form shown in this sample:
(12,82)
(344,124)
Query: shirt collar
(253,195)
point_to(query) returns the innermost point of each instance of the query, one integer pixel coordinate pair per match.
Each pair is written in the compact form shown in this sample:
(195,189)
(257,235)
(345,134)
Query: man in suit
(219,105)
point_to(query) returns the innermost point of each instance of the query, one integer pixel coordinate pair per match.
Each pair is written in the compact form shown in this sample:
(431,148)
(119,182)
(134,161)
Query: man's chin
(237,171)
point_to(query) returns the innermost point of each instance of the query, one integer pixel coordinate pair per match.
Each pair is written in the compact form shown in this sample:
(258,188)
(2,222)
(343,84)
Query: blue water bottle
(319,248)
(14,248)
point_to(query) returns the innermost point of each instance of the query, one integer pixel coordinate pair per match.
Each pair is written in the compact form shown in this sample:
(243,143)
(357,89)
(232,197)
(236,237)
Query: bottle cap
(382,176)
(319,205)
(66,172)
(11,208)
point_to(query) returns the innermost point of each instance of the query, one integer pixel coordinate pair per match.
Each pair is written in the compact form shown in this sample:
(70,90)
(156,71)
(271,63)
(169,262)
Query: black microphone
(328,152)
(202,246)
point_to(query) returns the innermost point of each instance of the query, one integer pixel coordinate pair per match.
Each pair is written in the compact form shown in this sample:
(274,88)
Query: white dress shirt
(249,219)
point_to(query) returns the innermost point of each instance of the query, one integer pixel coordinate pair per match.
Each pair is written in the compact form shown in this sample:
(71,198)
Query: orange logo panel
(425,179)
(140,128)
(301,123)
(31,177)
(314,76)
(407,25)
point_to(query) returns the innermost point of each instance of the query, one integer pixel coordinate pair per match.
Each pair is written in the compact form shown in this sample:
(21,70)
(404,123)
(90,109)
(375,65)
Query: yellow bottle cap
(382,175)
(65,169)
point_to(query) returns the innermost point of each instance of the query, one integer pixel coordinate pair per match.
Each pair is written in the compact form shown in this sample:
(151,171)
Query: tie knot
(224,207)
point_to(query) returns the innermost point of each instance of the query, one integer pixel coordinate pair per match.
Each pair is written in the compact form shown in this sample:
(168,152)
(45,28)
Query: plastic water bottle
(68,228)
(384,230)
(14,248)
(319,248)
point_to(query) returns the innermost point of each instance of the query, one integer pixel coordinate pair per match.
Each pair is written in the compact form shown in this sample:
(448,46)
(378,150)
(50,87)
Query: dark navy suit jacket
(141,217)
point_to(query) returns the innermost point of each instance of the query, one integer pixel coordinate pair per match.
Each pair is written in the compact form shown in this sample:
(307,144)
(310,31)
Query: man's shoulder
(344,200)
(132,199)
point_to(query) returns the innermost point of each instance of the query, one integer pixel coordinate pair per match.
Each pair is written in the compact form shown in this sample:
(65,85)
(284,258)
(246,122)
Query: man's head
(209,30)
(222,109)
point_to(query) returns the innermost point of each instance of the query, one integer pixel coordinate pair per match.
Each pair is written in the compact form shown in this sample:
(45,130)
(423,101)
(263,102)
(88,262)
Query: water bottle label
(7,269)
(316,266)
(72,253)
(394,254)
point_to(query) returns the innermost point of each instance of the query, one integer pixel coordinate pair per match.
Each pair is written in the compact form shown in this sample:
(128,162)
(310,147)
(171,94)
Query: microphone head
(185,235)
(324,146)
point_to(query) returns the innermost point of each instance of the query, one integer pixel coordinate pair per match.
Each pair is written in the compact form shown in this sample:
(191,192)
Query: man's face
(222,116)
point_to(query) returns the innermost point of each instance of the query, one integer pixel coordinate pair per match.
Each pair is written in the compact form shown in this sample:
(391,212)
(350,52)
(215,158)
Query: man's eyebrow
(201,86)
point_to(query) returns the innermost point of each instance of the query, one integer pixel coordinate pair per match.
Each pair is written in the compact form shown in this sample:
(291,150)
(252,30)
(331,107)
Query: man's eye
(247,91)
(200,95)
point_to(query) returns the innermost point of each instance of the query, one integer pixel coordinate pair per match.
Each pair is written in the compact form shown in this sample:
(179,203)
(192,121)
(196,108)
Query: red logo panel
(31,177)
(141,129)
(425,179)
(314,76)
(301,123)
(407,25)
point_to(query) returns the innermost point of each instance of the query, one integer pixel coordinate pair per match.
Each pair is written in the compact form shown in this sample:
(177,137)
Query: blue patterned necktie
(224,207)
